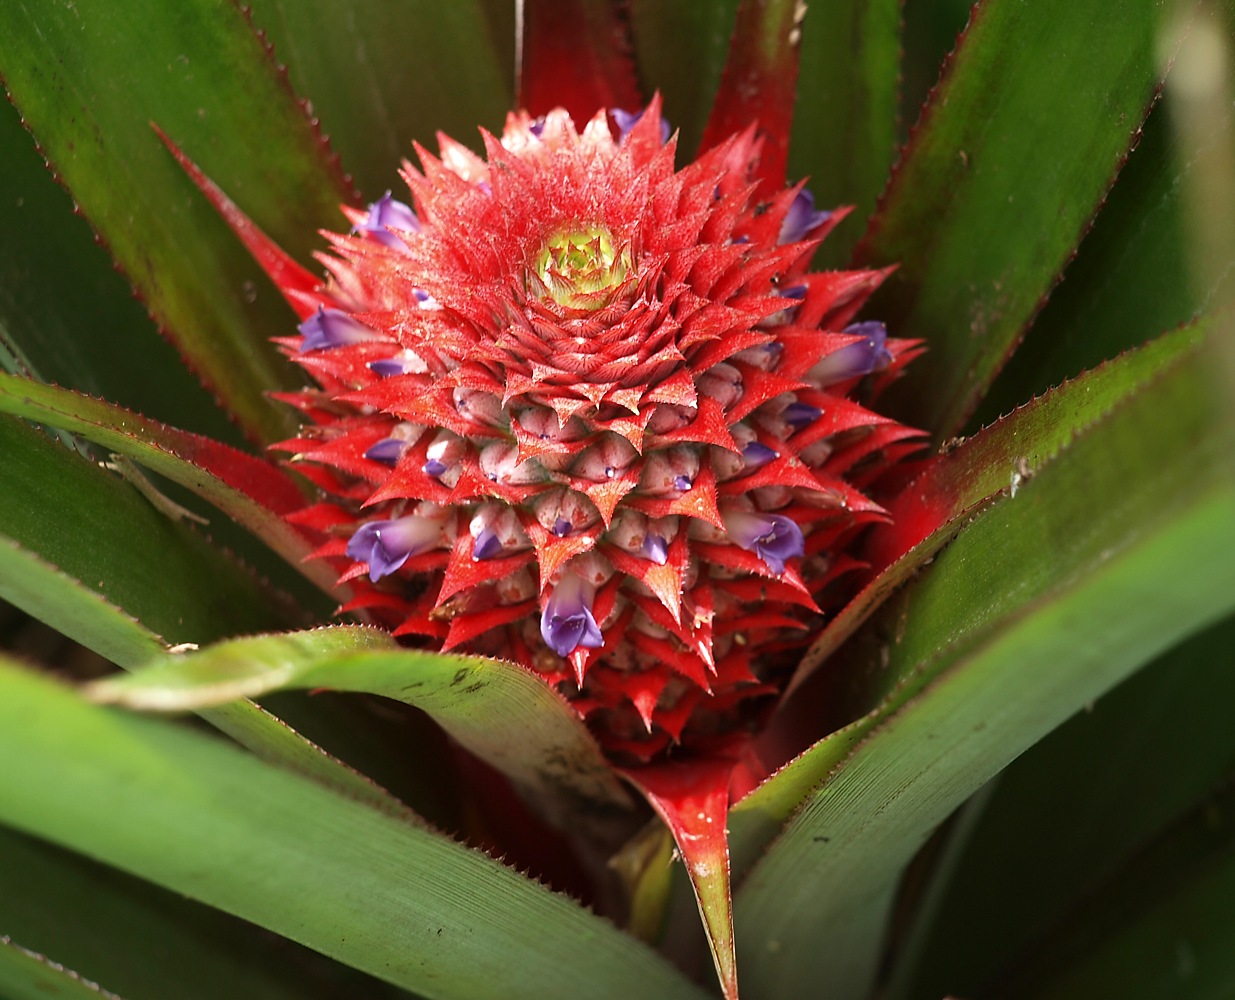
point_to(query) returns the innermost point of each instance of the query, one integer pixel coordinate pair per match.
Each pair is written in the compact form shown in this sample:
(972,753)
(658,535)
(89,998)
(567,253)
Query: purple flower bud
(682,483)
(387,451)
(329,328)
(387,545)
(859,358)
(434,468)
(386,214)
(757,455)
(655,549)
(567,622)
(799,415)
(774,538)
(562,527)
(486,545)
(627,120)
(801,218)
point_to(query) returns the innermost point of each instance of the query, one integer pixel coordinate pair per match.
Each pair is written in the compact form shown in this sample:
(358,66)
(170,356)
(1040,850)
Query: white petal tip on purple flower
(801,219)
(655,549)
(858,358)
(387,451)
(386,214)
(567,622)
(774,538)
(387,545)
(328,328)
(486,545)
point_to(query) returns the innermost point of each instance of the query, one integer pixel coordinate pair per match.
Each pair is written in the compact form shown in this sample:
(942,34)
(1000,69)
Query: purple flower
(801,219)
(757,455)
(562,527)
(655,549)
(859,358)
(566,622)
(486,545)
(329,328)
(774,538)
(682,483)
(434,467)
(386,214)
(627,120)
(799,415)
(387,451)
(387,545)
(390,367)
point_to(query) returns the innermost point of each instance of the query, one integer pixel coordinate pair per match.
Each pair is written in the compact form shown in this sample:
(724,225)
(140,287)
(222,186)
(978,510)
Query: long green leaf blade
(95,527)
(201,818)
(844,126)
(1021,622)
(982,469)
(143,941)
(1162,928)
(87,340)
(1006,169)
(27,975)
(501,712)
(89,78)
(248,490)
(1077,811)
(372,99)
(1147,265)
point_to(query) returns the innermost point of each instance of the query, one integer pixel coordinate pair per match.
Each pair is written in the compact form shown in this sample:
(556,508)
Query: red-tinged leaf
(991,465)
(287,275)
(692,797)
(88,79)
(252,492)
(1009,164)
(369,96)
(759,84)
(575,54)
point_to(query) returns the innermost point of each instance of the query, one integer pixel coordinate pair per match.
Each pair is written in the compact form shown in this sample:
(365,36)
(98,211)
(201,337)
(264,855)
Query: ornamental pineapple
(585,411)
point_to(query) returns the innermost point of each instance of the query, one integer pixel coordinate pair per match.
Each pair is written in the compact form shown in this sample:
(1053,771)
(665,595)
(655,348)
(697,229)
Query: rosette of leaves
(957,786)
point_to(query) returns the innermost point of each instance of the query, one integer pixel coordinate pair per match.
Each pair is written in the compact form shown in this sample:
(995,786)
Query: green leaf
(26,975)
(992,465)
(250,491)
(1145,266)
(499,711)
(1000,180)
(1077,811)
(844,127)
(70,607)
(86,340)
(202,818)
(1162,928)
(89,78)
(137,939)
(95,527)
(680,49)
(1039,606)
(373,74)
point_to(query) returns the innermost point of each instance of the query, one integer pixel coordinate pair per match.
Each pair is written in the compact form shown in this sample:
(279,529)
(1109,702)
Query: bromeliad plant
(644,497)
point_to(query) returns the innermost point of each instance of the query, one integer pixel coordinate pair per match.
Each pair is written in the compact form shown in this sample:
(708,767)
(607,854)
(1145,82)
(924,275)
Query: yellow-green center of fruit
(579,267)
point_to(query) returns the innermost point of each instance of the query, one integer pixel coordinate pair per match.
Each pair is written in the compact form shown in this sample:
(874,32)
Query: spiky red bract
(594,392)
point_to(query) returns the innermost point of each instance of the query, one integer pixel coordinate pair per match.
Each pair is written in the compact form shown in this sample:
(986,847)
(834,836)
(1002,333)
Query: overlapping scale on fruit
(587,411)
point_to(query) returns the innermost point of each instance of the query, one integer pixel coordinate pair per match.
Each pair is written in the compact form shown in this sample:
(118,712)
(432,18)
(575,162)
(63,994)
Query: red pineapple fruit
(588,412)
